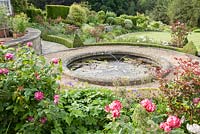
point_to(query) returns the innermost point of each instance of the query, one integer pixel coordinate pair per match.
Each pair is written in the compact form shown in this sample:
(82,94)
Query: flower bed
(32,101)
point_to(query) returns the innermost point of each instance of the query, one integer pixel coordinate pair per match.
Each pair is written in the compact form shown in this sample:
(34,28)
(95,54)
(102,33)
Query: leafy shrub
(182,93)
(19,5)
(27,87)
(55,11)
(92,17)
(190,48)
(128,23)
(77,14)
(85,109)
(19,23)
(110,14)
(33,13)
(110,20)
(179,33)
(119,21)
(101,16)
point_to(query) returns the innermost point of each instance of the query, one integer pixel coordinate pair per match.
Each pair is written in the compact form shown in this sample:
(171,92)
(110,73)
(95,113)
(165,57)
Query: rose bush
(27,86)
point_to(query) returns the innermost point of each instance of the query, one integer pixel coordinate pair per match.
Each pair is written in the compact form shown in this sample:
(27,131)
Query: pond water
(113,67)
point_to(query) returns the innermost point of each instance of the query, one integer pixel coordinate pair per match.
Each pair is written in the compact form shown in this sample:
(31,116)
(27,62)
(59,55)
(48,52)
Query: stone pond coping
(109,81)
(166,55)
(32,35)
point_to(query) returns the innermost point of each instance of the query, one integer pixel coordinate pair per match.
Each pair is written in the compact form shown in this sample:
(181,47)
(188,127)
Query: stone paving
(52,50)
(51,47)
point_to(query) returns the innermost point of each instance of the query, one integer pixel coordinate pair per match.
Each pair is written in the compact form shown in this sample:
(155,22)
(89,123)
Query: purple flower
(38,95)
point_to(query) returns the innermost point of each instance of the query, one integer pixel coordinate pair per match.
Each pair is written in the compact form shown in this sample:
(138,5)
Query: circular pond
(108,68)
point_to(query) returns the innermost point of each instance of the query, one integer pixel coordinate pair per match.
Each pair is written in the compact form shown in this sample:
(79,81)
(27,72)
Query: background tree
(184,11)
(159,12)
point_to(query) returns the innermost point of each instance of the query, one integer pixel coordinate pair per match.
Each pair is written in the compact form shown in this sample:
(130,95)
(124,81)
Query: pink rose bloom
(150,107)
(167,129)
(29,44)
(145,102)
(56,99)
(30,118)
(4,71)
(43,120)
(115,113)
(107,108)
(173,121)
(162,125)
(9,56)
(1,71)
(38,95)
(37,76)
(55,60)
(196,101)
(115,105)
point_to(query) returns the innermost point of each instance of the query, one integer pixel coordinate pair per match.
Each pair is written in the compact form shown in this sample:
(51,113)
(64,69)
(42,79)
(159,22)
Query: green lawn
(164,36)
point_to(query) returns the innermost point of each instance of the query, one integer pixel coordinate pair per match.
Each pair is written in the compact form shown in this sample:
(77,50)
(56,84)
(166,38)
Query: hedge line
(57,39)
(189,48)
(55,11)
(32,13)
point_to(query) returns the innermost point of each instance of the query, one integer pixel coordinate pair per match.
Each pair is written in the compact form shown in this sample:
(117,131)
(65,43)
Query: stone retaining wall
(32,35)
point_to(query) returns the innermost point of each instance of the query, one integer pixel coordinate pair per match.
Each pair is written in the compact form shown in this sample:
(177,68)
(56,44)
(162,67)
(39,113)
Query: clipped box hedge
(55,11)
(32,13)
(53,38)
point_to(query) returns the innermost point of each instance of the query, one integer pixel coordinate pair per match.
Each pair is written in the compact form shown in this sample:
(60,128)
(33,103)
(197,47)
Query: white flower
(194,128)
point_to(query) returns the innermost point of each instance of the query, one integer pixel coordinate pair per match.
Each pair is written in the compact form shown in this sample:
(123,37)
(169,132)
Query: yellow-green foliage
(190,48)
(77,14)
(55,11)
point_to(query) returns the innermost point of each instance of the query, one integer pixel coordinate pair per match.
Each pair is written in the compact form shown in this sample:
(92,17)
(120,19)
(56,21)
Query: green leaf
(68,119)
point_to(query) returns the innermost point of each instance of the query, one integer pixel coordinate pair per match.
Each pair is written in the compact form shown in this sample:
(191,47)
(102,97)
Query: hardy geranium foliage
(114,108)
(28,87)
(183,92)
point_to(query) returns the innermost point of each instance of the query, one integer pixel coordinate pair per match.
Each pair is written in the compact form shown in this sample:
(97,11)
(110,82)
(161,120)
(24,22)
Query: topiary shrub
(77,41)
(190,48)
(128,23)
(77,14)
(33,13)
(55,11)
